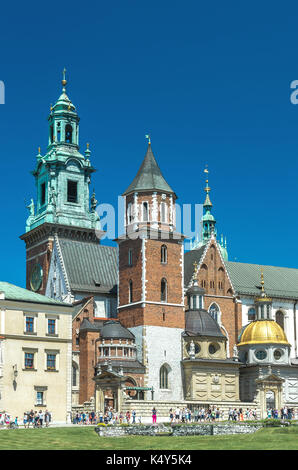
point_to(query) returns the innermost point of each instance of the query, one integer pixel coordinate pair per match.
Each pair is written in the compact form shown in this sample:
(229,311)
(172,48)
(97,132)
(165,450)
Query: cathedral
(151,321)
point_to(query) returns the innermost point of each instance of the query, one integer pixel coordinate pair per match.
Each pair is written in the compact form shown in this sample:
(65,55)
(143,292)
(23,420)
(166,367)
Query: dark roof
(90,267)
(87,325)
(279,282)
(113,329)
(189,258)
(149,176)
(201,323)
(78,306)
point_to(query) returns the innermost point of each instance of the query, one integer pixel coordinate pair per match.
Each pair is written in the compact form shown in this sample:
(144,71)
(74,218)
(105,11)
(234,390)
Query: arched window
(163,290)
(129,213)
(251,314)
(163,212)
(280,319)
(164,254)
(164,377)
(214,312)
(130,257)
(130,295)
(74,375)
(68,134)
(145,212)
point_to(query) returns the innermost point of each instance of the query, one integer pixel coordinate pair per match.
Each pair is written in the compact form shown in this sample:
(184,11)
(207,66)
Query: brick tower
(151,281)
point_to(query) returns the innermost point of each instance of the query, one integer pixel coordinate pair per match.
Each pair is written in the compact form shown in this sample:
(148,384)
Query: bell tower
(151,278)
(62,204)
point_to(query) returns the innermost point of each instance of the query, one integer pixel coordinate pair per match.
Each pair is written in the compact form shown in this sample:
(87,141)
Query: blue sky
(210,81)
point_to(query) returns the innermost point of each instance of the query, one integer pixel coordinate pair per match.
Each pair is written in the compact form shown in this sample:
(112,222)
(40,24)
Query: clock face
(36,277)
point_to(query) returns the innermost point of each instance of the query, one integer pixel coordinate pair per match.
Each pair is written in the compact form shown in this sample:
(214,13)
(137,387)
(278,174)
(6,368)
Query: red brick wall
(217,284)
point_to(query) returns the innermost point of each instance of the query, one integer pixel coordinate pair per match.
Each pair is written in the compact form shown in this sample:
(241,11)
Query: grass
(85,438)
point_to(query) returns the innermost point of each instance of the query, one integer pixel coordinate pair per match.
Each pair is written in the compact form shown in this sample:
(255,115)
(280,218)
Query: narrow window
(130,292)
(279,318)
(163,212)
(39,398)
(72,191)
(129,213)
(145,211)
(130,257)
(74,376)
(163,377)
(68,134)
(164,254)
(42,194)
(163,290)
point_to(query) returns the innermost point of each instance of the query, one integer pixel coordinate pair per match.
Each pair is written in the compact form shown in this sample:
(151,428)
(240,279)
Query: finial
(195,265)
(149,139)
(64,81)
(38,150)
(207,189)
(87,151)
(51,108)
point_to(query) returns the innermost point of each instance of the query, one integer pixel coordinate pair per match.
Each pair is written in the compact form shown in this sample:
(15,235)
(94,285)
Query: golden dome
(262,332)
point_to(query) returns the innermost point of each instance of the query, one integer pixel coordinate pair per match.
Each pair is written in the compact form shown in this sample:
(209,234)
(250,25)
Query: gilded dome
(262,332)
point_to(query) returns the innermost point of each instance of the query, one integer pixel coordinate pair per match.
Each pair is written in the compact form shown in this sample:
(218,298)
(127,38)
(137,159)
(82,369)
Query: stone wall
(143,408)
(180,430)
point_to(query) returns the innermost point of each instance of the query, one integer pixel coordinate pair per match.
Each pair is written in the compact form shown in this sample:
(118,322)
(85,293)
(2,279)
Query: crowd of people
(33,419)
(109,417)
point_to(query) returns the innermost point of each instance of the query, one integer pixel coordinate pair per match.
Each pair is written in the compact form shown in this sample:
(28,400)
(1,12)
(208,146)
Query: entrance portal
(270,399)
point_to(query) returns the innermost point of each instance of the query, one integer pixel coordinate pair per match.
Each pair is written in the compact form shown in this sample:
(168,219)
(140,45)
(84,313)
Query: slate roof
(87,325)
(189,258)
(114,329)
(279,282)
(90,267)
(201,323)
(149,176)
(13,292)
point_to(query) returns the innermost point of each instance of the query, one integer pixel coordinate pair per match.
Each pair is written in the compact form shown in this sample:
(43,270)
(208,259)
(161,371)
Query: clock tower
(62,206)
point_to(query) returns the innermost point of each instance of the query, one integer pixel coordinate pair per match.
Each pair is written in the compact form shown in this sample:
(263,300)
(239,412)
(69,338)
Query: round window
(277,354)
(261,354)
(196,348)
(212,349)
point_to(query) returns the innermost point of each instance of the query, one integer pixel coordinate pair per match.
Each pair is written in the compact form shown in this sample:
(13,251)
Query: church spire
(208,221)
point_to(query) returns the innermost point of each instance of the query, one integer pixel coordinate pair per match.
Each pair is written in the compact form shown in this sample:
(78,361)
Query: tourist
(16,422)
(171,415)
(121,417)
(230,414)
(154,415)
(183,415)
(41,418)
(128,417)
(25,420)
(177,415)
(217,414)
(196,415)
(47,418)
(134,416)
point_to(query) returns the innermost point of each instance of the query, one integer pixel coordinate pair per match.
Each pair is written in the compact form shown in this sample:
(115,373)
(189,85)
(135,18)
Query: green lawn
(80,438)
